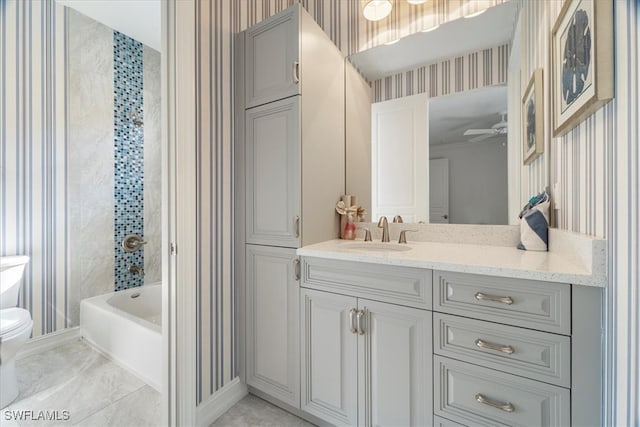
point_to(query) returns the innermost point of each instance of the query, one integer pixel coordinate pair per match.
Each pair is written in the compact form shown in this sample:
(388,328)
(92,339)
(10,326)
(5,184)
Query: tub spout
(136,269)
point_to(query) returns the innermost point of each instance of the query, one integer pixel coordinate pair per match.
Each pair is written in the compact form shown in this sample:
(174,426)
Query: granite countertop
(502,261)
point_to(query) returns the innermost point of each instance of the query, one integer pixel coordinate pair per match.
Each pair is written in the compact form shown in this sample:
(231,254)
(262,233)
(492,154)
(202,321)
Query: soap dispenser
(349,232)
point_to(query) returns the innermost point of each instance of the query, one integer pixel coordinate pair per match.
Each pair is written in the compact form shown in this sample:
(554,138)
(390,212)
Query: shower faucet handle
(132,243)
(136,269)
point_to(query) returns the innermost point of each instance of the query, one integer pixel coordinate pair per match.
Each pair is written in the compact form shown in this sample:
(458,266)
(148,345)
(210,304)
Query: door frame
(179,211)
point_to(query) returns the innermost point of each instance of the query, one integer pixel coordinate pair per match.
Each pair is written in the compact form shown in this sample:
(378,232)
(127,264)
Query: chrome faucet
(136,269)
(384,224)
(403,235)
(397,219)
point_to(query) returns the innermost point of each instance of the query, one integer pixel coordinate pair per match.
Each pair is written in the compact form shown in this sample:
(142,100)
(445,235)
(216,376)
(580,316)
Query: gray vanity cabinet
(365,362)
(290,148)
(272,312)
(329,357)
(290,171)
(516,352)
(272,58)
(273,173)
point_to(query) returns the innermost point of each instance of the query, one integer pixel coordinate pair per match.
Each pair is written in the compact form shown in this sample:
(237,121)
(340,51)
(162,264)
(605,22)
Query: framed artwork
(533,119)
(581,61)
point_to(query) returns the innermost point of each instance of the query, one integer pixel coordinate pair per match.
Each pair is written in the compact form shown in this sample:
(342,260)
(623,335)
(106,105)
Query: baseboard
(220,402)
(49,341)
(291,409)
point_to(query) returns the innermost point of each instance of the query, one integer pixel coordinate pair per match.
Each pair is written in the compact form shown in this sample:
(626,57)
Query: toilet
(15,325)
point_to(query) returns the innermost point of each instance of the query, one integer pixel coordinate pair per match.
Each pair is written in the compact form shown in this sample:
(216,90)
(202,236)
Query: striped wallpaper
(214,82)
(470,71)
(33,155)
(596,168)
(215,24)
(589,163)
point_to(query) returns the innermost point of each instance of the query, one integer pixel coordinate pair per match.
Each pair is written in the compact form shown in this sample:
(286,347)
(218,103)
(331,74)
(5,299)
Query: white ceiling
(450,116)
(138,19)
(493,27)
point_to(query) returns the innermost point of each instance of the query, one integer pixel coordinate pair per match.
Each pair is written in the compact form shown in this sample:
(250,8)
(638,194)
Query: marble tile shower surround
(91,157)
(152,212)
(128,117)
(91,177)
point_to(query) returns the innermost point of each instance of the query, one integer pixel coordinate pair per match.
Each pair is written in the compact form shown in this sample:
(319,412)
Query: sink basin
(377,247)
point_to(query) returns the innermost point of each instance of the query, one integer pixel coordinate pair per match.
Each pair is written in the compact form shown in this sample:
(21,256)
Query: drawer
(528,303)
(443,422)
(477,396)
(398,285)
(538,355)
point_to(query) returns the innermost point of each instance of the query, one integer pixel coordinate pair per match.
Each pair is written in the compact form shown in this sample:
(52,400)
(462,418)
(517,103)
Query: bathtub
(126,327)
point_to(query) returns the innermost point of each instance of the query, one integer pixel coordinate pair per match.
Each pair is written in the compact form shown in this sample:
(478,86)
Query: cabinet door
(271,58)
(273,173)
(395,377)
(329,357)
(272,307)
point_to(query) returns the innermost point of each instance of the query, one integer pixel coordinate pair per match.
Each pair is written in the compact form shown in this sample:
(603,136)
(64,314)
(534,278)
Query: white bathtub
(126,326)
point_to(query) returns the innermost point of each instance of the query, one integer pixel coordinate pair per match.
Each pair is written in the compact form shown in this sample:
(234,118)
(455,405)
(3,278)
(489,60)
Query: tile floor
(253,412)
(94,390)
(97,392)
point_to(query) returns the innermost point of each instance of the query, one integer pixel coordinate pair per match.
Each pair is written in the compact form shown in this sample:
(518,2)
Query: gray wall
(477,181)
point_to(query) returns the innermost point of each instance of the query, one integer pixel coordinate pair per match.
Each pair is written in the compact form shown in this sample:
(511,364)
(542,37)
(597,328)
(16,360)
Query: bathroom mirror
(429,134)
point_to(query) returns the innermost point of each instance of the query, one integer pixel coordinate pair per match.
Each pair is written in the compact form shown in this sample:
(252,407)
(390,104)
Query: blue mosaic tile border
(129,155)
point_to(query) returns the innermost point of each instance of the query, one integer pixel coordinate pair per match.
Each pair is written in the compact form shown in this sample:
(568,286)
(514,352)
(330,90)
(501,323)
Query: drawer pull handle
(296,72)
(296,269)
(497,347)
(506,407)
(502,300)
(360,321)
(296,226)
(352,318)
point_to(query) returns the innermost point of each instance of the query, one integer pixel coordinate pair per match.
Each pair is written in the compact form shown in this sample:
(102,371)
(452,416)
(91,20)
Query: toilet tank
(11,270)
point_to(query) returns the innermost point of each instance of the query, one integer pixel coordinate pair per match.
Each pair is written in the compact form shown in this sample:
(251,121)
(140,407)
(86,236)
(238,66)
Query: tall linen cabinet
(290,171)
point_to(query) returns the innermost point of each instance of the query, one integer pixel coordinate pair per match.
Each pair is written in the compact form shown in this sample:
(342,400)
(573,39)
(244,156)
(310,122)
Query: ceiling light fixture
(416,1)
(375,10)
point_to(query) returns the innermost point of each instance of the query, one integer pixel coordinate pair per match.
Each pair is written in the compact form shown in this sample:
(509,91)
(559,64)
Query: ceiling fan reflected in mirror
(497,129)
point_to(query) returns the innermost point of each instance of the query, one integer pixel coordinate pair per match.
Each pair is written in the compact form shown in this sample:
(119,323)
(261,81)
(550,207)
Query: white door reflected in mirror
(399,158)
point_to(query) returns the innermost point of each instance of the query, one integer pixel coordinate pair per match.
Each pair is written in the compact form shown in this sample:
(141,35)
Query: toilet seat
(14,321)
